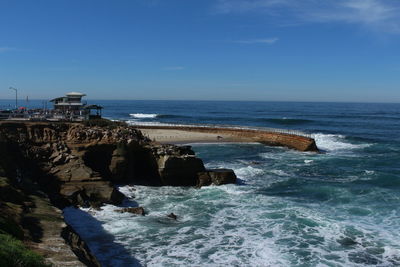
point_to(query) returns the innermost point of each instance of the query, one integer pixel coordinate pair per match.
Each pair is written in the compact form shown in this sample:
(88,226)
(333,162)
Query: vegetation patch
(14,253)
(104,123)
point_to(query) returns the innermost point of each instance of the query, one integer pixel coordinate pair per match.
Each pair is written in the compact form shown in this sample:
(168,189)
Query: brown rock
(79,247)
(59,159)
(222,176)
(134,210)
(81,173)
(204,179)
(179,170)
(94,192)
(216,177)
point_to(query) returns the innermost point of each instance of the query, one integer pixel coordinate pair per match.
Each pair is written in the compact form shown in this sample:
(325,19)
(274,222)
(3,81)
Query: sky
(269,50)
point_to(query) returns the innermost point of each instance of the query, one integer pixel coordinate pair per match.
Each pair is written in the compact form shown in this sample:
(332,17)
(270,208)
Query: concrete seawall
(178,133)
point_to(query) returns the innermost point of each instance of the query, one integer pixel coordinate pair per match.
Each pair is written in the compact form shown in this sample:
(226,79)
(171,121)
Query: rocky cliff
(73,164)
(77,164)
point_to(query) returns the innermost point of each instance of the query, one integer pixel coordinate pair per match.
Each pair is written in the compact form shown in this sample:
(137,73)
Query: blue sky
(273,50)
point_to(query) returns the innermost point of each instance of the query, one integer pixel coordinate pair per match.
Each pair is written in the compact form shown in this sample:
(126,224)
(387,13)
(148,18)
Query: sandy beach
(181,136)
(192,134)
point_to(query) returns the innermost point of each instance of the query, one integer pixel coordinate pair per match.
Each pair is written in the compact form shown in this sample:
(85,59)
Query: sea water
(289,208)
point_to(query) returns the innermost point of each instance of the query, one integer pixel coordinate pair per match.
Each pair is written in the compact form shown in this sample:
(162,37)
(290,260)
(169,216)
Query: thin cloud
(380,15)
(268,41)
(174,68)
(7,49)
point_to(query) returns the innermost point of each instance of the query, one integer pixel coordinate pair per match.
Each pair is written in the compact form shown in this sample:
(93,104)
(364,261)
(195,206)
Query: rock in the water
(134,210)
(216,177)
(222,176)
(172,216)
(179,171)
(91,193)
(204,179)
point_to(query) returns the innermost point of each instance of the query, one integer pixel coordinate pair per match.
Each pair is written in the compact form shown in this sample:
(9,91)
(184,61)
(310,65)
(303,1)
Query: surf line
(203,134)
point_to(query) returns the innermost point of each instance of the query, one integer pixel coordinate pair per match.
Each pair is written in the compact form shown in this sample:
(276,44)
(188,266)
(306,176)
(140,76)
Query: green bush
(104,123)
(14,254)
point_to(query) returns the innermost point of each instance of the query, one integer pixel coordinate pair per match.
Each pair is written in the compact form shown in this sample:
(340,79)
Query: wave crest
(335,142)
(143,115)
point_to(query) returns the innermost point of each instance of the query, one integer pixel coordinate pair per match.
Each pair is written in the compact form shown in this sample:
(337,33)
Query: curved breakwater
(273,137)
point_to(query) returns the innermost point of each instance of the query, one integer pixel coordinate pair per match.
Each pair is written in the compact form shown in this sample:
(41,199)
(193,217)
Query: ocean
(289,208)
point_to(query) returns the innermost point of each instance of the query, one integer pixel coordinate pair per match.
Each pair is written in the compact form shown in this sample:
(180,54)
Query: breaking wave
(335,142)
(143,116)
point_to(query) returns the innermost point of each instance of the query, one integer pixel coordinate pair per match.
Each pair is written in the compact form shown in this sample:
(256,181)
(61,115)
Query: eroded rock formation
(77,165)
(72,164)
(216,177)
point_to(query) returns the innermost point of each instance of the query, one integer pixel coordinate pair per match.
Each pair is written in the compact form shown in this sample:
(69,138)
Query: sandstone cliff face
(70,161)
(177,166)
(77,165)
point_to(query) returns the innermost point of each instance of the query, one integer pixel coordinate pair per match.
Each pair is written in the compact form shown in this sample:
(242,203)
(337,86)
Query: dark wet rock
(79,247)
(216,177)
(204,179)
(91,193)
(133,210)
(172,216)
(222,176)
(179,170)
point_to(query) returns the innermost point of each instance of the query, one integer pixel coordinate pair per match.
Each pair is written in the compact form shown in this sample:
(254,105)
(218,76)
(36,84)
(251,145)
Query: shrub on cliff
(104,123)
(13,253)
(8,226)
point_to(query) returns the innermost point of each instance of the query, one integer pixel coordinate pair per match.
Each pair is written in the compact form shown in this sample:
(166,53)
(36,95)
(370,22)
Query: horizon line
(215,100)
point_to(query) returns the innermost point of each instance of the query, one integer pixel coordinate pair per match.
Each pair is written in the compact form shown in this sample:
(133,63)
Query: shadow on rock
(101,243)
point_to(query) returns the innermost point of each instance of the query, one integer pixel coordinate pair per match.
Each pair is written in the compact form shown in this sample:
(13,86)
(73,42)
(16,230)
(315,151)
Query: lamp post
(16,96)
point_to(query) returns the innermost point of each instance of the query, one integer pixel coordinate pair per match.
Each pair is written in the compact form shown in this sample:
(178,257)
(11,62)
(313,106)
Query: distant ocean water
(339,208)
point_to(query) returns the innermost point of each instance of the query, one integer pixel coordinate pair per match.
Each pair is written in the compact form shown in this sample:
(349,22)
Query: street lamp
(16,96)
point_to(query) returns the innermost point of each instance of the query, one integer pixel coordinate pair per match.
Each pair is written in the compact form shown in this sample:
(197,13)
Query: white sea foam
(279,172)
(308,161)
(143,116)
(217,227)
(247,172)
(234,225)
(335,142)
(141,123)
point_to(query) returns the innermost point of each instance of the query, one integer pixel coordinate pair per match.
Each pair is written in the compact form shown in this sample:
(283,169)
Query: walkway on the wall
(170,133)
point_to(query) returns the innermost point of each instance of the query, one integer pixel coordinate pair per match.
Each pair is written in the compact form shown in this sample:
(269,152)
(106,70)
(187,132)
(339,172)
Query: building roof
(75,94)
(57,98)
(68,104)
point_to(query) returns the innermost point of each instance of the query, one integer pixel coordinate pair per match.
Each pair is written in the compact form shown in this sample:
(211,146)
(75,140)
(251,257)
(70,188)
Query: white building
(70,102)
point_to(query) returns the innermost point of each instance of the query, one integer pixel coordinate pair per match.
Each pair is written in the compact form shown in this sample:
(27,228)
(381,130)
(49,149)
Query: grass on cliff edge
(13,253)
(104,123)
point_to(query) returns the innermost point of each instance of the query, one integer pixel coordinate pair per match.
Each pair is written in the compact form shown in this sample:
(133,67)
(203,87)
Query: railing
(44,117)
(265,129)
